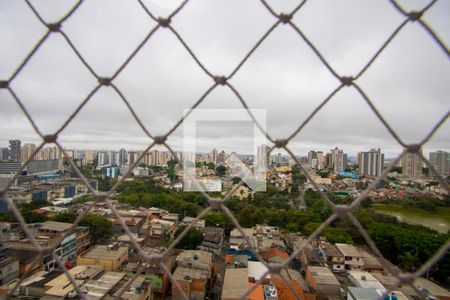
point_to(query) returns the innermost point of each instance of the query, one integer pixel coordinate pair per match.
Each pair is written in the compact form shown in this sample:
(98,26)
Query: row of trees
(27,211)
(145,193)
(100,228)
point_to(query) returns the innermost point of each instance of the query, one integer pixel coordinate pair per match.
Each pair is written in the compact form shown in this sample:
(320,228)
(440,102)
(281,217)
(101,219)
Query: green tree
(84,198)
(236,180)
(221,170)
(7,216)
(397,169)
(28,210)
(324,174)
(191,240)
(297,176)
(33,217)
(246,217)
(367,202)
(101,229)
(258,217)
(37,203)
(396,240)
(215,218)
(66,217)
(333,235)
(219,219)
(408,262)
(105,184)
(171,174)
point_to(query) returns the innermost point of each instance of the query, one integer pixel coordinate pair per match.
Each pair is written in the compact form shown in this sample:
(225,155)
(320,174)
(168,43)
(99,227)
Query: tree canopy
(191,240)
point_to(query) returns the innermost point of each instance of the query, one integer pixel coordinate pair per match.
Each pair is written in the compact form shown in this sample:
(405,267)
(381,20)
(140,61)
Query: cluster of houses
(317,270)
(222,266)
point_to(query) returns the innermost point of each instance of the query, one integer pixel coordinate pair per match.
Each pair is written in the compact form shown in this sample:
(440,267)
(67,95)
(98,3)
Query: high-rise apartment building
(152,158)
(157,158)
(214,156)
(262,159)
(440,161)
(78,154)
(412,165)
(122,156)
(4,153)
(371,163)
(88,157)
(320,157)
(316,160)
(113,157)
(279,158)
(311,155)
(132,156)
(103,158)
(163,157)
(222,157)
(15,153)
(328,160)
(338,160)
(27,150)
(50,153)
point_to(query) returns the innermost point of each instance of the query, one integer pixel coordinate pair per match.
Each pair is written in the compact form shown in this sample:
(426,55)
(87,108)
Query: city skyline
(352,155)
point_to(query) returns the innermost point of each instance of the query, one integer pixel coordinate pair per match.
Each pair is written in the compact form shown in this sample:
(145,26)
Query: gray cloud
(408,83)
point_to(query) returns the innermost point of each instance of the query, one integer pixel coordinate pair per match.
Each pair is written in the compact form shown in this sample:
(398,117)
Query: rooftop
(61,285)
(249,232)
(257,293)
(235,283)
(365,280)
(52,209)
(24,255)
(364,293)
(195,259)
(348,250)
(129,221)
(323,275)
(283,290)
(275,254)
(98,288)
(256,270)
(213,234)
(422,283)
(388,280)
(189,220)
(187,274)
(40,278)
(370,260)
(331,250)
(171,217)
(55,226)
(162,222)
(7,260)
(104,252)
(134,291)
(293,275)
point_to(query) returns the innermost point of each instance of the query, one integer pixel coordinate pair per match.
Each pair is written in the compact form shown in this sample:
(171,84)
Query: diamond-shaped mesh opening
(333,212)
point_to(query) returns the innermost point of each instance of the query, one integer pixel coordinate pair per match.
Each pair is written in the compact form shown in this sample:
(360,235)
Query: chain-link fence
(165,24)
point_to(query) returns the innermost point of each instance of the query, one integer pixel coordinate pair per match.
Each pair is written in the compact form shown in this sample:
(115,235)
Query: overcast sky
(409,82)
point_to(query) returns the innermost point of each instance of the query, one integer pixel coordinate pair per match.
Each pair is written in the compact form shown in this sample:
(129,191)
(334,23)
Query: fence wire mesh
(165,23)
